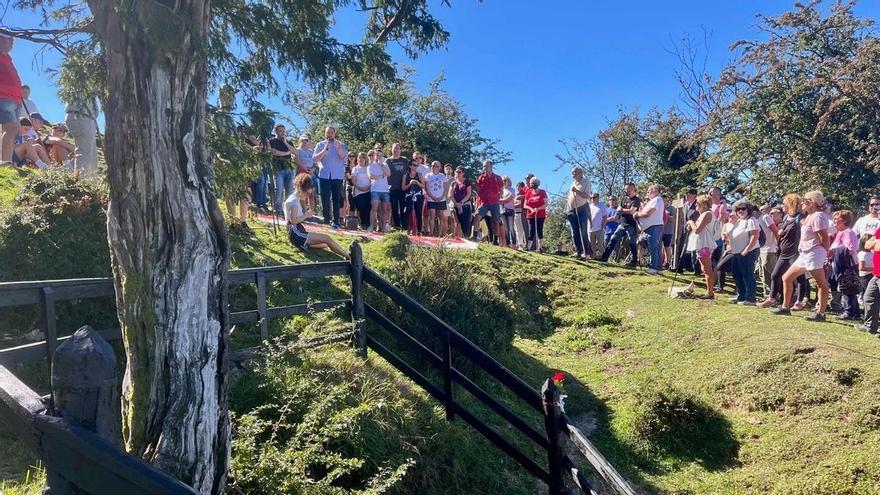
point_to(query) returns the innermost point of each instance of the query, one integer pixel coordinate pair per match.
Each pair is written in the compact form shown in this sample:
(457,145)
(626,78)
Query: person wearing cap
(10,99)
(60,150)
(305,161)
(812,254)
(26,148)
(80,117)
(332,157)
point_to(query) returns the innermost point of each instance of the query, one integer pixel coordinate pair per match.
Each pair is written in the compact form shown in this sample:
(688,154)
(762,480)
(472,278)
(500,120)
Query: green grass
(11,180)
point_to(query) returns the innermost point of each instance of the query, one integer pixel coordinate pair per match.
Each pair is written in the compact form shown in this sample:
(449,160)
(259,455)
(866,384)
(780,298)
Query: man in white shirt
(770,219)
(868,224)
(578,213)
(598,214)
(650,219)
(28,105)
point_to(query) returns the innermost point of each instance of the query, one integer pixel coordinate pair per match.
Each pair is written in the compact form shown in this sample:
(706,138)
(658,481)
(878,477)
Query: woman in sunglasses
(813,251)
(744,246)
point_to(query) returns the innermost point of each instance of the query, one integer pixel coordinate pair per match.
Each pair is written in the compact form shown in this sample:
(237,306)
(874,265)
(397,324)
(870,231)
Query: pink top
(814,223)
(719,211)
(847,238)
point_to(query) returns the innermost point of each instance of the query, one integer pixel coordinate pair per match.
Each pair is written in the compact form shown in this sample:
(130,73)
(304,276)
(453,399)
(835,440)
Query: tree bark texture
(167,237)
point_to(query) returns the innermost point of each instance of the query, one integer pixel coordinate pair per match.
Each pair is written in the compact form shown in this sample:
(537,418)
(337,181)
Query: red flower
(558,377)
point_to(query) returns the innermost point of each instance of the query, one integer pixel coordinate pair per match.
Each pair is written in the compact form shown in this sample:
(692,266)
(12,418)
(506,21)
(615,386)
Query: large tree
(149,61)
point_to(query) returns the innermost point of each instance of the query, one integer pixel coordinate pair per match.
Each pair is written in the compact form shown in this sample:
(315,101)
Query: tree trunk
(168,241)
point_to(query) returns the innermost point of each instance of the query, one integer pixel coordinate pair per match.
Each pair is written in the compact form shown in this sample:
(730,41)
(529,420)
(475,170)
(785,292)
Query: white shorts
(811,260)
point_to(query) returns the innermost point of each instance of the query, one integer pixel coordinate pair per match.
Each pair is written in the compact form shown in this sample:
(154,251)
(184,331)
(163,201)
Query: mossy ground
(791,406)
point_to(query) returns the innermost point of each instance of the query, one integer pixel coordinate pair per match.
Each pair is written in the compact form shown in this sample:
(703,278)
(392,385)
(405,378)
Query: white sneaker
(651,271)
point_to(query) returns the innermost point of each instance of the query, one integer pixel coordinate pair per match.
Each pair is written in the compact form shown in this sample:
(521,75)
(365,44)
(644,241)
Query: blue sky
(534,72)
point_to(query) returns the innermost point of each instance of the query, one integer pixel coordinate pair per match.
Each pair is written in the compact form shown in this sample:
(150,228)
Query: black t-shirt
(280,162)
(627,218)
(789,238)
(398,167)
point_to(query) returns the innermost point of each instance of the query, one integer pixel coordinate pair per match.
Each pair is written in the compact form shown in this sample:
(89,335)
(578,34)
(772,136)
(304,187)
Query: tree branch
(405,8)
(57,38)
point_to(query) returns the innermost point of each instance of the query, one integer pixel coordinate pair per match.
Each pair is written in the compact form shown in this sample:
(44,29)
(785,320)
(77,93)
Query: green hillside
(683,396)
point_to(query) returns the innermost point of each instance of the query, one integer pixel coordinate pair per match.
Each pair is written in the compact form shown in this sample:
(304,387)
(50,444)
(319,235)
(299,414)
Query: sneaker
(746,303)
(845,316)
(651,271)
(766,303)
(798,306)
(479,237)
(335,226)
(780,311)
(734,298)
(815,316)
(575,255)
(863,328)
(707,297)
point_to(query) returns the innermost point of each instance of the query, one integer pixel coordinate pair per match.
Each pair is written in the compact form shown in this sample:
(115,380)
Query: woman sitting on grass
(701,241)
(293,213)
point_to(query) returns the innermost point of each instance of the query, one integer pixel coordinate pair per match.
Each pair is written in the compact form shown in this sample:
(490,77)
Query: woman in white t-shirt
(435,188)
(360,189)
(701,240)
(812,255)
(508,200)
(744,246)
(380,197)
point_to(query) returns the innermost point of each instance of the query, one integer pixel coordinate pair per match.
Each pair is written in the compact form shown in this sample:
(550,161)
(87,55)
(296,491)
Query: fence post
(359,324)
(552,423)
(51,331)
(261,306)
(85,385)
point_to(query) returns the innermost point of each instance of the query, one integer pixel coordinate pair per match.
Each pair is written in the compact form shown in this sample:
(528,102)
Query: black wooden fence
(73,453)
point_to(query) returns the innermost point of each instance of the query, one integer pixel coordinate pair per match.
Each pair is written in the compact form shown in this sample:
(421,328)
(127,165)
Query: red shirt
(534,199)
(489,189)
(876,255)
(10,83)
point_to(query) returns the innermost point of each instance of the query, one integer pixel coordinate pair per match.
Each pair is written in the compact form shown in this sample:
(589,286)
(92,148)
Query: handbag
(848,283)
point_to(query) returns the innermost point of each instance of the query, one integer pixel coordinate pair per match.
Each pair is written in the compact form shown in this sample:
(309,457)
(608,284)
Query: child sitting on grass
(295,216)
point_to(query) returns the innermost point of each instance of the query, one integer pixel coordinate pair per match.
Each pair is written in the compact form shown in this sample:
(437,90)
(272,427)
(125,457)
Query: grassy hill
(683,396)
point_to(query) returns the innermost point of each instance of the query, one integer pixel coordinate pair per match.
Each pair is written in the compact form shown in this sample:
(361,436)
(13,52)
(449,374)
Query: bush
(442,281)
(56,227)
(323,421)
(666,421)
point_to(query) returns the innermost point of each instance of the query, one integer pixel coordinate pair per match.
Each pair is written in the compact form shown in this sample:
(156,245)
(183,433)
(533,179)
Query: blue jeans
(654,235)
(578,224)
(744,275)
(261,188)
(623,230)
(283,186)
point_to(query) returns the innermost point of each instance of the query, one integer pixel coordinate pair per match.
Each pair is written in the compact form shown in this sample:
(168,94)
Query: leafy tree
(802,108)
(368,111)
(168,243)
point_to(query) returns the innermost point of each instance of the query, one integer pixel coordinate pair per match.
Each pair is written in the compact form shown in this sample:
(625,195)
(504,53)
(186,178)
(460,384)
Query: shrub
(666,421)
(442,281)
(56,227)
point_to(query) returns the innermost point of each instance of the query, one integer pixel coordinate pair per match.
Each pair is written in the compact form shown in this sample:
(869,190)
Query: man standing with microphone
(331,155)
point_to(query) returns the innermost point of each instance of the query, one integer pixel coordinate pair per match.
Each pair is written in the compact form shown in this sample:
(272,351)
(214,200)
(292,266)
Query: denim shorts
(495,210)
(8,111)
(382,197)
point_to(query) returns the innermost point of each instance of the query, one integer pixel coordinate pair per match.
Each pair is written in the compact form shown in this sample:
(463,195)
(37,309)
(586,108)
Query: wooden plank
(580,480)
(261,306)
(356,274)
(457,340)
(596,459)
(21,293)
(50,326)
(448,389)
(285,272)
(18,406)
(403,337)
(404,368)
(30,352)
(499,441)
(499,409)
(303,309)
(96,466)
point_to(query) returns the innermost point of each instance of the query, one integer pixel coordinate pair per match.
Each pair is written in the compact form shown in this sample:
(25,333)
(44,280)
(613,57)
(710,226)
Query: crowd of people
(29,141)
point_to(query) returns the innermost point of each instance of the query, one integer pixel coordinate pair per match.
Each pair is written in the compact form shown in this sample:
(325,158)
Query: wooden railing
(28,410)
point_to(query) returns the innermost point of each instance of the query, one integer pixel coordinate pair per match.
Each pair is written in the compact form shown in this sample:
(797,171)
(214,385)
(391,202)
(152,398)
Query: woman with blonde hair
(789,238)
(701,240)
(812,254)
